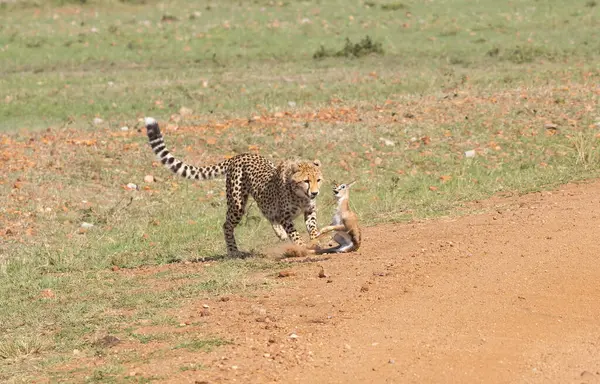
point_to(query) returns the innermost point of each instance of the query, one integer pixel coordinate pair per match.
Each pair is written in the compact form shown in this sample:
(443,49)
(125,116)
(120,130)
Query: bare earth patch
(509,295)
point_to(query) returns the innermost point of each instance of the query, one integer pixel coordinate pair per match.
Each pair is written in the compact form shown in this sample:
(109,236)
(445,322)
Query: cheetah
(282,192)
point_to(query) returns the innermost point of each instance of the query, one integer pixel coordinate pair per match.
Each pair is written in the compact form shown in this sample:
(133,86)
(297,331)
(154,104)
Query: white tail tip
(149,121)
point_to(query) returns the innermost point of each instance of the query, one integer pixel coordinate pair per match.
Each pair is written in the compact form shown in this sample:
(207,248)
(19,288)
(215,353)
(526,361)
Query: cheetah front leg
(292,234)
(310,219)
(280,232)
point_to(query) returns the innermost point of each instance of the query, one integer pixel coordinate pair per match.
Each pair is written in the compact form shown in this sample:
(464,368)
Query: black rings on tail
(157,143)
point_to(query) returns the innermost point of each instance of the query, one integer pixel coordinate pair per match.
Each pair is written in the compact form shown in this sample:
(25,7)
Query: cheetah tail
(159,147)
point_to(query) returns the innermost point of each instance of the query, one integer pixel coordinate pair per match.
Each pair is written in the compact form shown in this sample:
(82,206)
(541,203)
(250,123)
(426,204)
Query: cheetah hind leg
(233,219)
(237,200)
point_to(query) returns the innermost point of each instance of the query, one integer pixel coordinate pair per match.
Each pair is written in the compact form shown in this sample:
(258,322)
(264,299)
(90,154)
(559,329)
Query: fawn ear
(317,162)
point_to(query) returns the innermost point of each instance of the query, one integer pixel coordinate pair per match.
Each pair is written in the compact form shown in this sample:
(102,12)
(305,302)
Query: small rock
(132,187)
(294,336)
(124,128)
(267,355)
(205,306)
(292,104)
(224,299)
(387,142)
(550,126)
(470,153)
(322,273)
(261,311)
(85,225)
(364,288)
(378,161)
(98,121)
(47,293)
(183,111)
(347,346)
(391,361)
(234,367)
(76,352)
(286,273)
(587,374)
(204,312)
(115,268)
(108,341)
(132,373)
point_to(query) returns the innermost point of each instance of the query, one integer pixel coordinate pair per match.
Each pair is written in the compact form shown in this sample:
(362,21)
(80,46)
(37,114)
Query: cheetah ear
(317,162)
(295,167)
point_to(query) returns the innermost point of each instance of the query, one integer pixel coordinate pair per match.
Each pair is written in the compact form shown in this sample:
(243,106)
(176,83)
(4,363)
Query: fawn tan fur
(344,223)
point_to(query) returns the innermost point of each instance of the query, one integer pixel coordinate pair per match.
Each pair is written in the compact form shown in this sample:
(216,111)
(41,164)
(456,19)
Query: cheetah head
(306,178)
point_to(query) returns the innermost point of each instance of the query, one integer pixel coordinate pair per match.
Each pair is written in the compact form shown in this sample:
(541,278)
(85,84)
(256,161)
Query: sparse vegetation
(352,50)
(586,147)
(393,6)
(20,346)
(202,344)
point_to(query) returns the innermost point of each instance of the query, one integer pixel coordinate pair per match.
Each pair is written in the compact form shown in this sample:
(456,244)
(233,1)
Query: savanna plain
(471,128)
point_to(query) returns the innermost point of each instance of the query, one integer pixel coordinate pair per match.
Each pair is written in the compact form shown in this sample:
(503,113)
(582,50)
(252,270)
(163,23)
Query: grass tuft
(205,345)
(352,50)
(586,149)
(21,346)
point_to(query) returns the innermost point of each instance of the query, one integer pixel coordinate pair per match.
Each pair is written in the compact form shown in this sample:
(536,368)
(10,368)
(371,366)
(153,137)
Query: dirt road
(508,295)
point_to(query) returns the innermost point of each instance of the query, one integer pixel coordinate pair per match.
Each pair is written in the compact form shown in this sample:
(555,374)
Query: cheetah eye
(307,181)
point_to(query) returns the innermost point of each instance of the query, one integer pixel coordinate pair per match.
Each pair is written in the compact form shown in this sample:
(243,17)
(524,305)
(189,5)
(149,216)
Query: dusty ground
(508,295)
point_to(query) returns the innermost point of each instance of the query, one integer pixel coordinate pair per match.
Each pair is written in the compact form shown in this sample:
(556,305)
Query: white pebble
(470,153)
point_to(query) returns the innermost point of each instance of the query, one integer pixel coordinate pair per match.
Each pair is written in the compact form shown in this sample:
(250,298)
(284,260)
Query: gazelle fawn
(345,223)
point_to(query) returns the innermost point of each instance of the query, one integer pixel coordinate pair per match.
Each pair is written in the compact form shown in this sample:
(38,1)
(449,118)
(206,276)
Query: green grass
(515,81)
(202,344)
(121,60)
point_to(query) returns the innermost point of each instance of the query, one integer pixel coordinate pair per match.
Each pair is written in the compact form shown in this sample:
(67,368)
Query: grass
(514,81)
(202,344)
(21,346)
